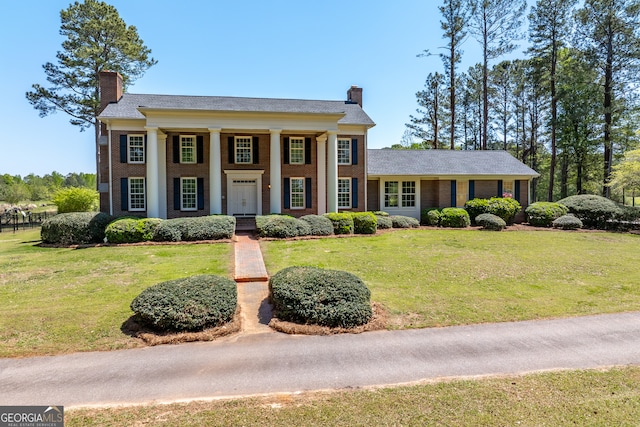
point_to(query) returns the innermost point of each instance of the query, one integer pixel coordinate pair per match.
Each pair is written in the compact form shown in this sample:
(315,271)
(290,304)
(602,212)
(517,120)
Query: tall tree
(96,39)
(455,15)
(427,125)
(501,83)
(626,175)
(549,27)
(610,30)
(495,25)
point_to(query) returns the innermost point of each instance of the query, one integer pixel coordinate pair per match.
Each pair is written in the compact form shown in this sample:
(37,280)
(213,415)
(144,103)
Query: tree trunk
(564,175)
(608,151)
(452,89)
(554,120)
(485,94)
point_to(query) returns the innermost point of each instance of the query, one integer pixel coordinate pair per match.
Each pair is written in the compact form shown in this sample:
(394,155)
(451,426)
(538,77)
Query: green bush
(454,218)
(214,227)
(281,226)
(364,223)
(132,230)
(311,295)
(75,228)
(476,207)
(318,225)
(567,222)
(401,221)
(542,214)
(72,199)
(490,222)
(380,213)
(384,222)
(430,216)
(594,211)
(342,222)
(187,304)
(504,207)
(628,213)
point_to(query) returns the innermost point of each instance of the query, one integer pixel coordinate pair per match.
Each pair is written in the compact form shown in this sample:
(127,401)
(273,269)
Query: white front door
(244,197)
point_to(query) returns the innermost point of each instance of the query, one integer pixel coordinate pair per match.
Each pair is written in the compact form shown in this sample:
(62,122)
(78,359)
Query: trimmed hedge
(318,225)
(214,227)
(132,230)
(504,207)
(311,295)
(75,228)
(430,216)
(542,214)
(187,304)
(364,223)
(281,226)
(400,221)
(490,222)
(476,207)
(567,222)
(454,218)
(384,222)
(593,211)
(342,222)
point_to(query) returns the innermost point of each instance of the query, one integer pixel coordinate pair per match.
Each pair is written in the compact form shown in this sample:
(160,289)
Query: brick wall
(373,195)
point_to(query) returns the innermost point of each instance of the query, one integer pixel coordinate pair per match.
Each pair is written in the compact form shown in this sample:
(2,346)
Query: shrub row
(542,214)
(311,295)
(132,230)
(447,217)
(75,228)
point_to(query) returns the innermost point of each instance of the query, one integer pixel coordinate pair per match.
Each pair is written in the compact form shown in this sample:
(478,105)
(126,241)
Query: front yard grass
(429,278)
(58,300)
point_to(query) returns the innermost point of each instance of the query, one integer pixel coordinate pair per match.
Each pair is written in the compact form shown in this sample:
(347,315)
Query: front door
(244,197)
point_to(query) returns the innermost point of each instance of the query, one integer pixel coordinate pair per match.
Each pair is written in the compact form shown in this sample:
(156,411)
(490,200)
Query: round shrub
(504,207)
(567,222)
(401,221)
(311,295)
(364,223)
(490,222)
(542,214)
(214,227)
(187,304)
(342,222)
(75,228)
(431,217)
(72,199)
(593,211)
(476,207)
(454,218)
(318,225)
(281,226)
(384,222)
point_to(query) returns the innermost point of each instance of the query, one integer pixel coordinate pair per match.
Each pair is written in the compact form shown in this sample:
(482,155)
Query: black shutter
(124,194)
(354,192)
(307,151)
(354,151)
(200,192)
(176,149)
(453,193)
(472,189)
(285,150)
(123,148)
(499,188)
(200,149)
(516,189)
(176,194)
(287,193)
(231,145)
(307,193)
(256,150)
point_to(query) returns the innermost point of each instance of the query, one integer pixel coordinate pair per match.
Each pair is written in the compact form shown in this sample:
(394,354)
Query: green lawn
(450,277)
(64,300)
(583,398)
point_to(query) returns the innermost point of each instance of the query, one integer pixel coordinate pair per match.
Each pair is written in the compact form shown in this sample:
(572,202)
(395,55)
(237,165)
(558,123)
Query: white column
(322,173)
(275,180)
(215,172)
(153,193)
(162,174)
(332,172)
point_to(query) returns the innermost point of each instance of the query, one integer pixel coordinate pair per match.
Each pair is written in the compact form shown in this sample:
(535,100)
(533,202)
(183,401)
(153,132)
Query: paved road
(273,362)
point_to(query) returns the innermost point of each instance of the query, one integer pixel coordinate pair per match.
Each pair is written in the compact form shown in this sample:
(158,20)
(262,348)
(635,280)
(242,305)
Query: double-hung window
(399,194)
(243,150)
(507,189)
(344,193)
(135,148)
(137,194)
(344,151)
(296,151)
(297,193)
(391,199)
(188,194)
(187,149)
(408,194)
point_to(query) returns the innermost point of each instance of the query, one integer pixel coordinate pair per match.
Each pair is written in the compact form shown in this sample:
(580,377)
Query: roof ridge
(237,97)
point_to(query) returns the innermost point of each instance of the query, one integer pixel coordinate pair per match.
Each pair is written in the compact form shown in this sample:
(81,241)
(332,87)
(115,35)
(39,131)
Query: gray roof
(445,162)
(127,106)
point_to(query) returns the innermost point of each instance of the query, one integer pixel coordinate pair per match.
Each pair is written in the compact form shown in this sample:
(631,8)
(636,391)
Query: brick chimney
(110,87)
(354,94)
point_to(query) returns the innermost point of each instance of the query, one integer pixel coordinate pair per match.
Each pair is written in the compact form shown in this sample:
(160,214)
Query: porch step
(245,223)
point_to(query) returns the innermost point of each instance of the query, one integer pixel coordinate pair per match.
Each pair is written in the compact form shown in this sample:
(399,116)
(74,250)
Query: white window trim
(291,149)
(195,149)
(144,194)
(398,194)
(235,150)
(350,198)
(402,194)
(291,193)
(144,154)
(182,180)
(348,151)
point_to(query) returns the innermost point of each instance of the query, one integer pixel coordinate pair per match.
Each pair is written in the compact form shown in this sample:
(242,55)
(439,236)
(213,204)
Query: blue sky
(277,48)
